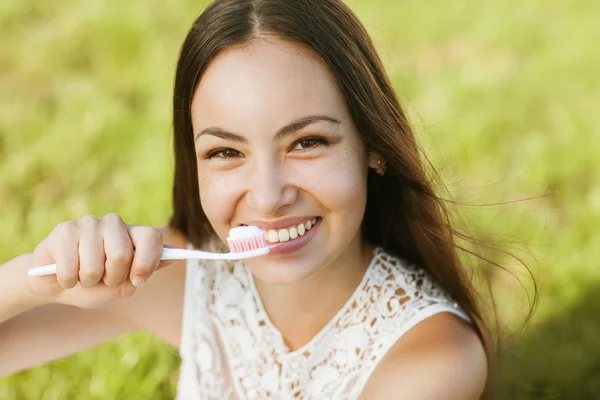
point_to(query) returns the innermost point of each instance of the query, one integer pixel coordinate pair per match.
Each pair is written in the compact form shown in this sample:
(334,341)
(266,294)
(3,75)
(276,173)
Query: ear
(373,159)
(377,163)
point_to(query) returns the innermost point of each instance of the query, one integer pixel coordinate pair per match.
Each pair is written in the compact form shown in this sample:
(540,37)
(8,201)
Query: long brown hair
(403,213)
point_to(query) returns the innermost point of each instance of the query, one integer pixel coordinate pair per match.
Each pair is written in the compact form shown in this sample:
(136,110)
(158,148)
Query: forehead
(270,81)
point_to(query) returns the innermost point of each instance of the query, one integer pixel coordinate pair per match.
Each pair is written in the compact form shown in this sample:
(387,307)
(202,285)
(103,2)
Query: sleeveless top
(231,350)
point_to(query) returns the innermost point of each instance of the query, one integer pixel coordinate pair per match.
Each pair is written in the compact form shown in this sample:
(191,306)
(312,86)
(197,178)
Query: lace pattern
(231,350)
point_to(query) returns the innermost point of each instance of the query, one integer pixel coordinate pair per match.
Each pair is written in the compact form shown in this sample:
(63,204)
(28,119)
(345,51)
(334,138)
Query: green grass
(504,96)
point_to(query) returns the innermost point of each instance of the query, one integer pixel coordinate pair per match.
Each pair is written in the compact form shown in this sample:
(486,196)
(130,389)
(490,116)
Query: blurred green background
(504,96)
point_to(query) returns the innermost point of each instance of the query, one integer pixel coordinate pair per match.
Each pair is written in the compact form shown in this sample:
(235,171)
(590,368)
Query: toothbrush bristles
(247,244)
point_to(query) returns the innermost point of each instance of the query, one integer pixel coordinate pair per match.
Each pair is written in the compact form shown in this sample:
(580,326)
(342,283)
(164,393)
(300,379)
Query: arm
(440,358)
(34,331)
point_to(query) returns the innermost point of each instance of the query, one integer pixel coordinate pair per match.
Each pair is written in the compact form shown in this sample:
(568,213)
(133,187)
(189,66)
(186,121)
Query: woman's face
(277,148)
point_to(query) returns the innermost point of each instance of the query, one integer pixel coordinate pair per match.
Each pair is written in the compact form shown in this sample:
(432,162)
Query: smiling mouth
(291,232)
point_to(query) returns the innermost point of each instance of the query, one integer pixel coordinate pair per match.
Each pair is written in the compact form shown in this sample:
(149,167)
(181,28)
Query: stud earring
(381,167)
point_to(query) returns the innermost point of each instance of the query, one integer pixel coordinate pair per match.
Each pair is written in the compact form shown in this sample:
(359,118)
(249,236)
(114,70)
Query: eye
(223,154)
(308,143)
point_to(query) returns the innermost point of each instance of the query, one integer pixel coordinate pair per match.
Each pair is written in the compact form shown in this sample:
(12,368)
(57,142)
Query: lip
(282,223)
(295,244)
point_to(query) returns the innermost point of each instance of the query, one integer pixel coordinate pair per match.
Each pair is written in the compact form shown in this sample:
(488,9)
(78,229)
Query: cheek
(219,193)
(347,192)
(341,186)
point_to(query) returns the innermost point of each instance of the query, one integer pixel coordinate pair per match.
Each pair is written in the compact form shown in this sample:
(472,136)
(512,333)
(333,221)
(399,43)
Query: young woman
(285,119)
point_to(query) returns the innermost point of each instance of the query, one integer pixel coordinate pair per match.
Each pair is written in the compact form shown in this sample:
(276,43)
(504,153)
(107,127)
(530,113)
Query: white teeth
(284,235)
(273,237)
(293,232)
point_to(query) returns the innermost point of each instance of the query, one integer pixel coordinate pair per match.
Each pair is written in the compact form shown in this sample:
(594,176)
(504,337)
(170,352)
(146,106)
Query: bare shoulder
(157,307)
(441,357)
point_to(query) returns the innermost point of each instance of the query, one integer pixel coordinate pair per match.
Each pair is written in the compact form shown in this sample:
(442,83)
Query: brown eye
(224,154)
(308,143)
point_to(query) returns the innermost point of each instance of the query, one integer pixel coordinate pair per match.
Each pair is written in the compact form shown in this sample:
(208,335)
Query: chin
(283,270)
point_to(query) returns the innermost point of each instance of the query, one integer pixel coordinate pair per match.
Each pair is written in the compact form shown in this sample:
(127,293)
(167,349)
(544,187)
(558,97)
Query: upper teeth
(285,234)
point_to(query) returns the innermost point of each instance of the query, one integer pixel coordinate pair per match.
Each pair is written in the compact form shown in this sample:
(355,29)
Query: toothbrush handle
(172,254)
(182,254)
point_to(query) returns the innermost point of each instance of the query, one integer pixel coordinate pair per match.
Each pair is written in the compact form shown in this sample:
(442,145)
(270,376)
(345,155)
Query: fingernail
(138,281)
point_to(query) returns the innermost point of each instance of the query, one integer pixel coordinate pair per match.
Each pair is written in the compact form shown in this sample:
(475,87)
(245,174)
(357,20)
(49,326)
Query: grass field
(504,95)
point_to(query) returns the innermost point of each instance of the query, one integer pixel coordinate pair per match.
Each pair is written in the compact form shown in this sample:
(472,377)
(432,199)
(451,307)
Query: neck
(301,310)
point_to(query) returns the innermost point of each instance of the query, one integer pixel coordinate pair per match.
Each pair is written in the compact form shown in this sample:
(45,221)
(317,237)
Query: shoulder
(441,357)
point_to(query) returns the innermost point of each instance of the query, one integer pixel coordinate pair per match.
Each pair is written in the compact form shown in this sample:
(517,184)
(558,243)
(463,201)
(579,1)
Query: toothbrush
(244,242)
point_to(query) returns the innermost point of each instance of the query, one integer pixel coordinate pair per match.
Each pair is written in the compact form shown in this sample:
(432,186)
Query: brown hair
(403,214)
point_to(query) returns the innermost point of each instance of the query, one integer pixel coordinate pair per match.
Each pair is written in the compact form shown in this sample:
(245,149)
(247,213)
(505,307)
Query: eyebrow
(287,130)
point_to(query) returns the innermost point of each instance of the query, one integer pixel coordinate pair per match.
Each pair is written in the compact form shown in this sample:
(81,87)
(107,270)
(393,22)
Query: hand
(97,260)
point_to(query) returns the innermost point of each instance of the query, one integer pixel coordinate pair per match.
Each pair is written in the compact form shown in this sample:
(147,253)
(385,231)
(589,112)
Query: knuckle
(149,243)
(156,235)
(89,220)
(66,228)
(39,249)
(113,218)
(148,234)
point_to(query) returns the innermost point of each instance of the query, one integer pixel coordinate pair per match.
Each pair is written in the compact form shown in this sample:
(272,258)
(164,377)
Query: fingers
(118,249)
(104,251)
(63,247)
(91,251)
(46,285)
(147,242)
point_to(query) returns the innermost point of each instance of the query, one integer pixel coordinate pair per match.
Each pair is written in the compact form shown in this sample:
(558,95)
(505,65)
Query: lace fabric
(231,350)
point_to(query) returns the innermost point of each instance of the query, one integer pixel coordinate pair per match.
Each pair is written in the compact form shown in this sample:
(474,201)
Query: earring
(381,167)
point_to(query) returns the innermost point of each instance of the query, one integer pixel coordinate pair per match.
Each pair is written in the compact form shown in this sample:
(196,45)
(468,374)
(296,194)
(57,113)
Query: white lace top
(231,350)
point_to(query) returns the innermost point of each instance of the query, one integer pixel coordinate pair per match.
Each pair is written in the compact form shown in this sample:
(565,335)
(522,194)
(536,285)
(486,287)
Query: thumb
(44,285)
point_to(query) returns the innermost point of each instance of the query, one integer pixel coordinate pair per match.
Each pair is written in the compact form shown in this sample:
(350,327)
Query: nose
(270,189)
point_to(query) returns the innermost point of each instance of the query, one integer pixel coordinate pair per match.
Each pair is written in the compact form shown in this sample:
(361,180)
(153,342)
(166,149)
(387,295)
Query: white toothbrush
(244,242)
